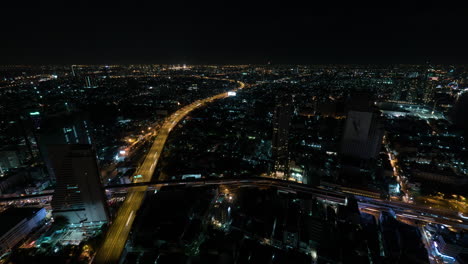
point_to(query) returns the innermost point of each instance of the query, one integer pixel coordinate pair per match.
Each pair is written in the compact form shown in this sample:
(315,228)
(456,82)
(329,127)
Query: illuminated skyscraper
(280,148)
(429,84)
(78,196)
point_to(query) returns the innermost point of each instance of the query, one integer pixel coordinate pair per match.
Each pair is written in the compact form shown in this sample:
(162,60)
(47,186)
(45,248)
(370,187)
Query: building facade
(79,196)
(280,141)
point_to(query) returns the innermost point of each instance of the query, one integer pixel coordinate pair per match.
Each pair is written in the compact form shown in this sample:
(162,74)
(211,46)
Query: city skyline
(266,132)
(299,160)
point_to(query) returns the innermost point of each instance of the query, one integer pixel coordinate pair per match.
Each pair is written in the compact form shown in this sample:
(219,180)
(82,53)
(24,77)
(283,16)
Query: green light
(34,113)
(137,176)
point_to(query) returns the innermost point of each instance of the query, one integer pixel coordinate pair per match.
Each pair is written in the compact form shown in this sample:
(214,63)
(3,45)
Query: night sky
(223,32)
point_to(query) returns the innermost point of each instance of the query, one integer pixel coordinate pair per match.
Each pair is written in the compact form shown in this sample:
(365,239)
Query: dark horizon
(241,33)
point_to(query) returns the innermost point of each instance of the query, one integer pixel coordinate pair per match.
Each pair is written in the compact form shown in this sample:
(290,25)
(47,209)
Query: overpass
(334,194)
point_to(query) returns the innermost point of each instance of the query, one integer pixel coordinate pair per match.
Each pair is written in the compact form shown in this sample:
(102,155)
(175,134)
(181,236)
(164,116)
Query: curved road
(117,234)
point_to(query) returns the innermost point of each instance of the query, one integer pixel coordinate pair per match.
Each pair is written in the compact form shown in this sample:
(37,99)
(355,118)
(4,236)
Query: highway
(368,202)
(421,213)
(117,234)
(337,195)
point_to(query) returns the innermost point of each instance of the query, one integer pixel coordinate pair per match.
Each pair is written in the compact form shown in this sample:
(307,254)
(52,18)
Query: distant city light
(309,128)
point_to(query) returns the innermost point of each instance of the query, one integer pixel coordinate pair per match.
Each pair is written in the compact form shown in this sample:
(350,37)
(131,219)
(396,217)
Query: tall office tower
(280,149)
(362,135)
(362,138)
(78,196)
(414,86)
(62,128)
(359,101)
(429,83)
(35,117)
(29,123)
(421,87)
(429,89)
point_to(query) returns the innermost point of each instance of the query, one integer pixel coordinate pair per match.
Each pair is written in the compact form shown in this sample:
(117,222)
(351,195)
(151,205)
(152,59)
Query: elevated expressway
(117,234)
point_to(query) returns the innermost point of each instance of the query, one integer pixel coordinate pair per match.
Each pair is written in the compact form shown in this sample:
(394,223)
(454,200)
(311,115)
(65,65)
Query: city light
(340,149)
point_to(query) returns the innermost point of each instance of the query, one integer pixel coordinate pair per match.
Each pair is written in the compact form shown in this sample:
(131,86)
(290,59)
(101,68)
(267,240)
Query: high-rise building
(362,138)
(428,88)
(280,148)
(78,196)
(62,128)
(362,135)
(36,119)
(8,159)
